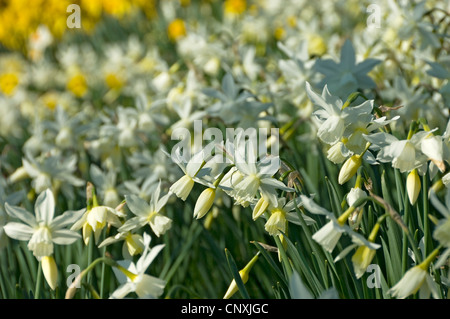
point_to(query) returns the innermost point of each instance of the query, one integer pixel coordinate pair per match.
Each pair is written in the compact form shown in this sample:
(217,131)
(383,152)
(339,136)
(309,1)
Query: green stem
(102,279)
(90,252)
(71,291)
(426,263)
(38,281)
(426,221)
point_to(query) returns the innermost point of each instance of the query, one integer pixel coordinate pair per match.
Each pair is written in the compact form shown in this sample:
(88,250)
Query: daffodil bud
(413,186)
(244,273)
(18,175)
(204,202)
(260,208)
(349,168)
(50,271)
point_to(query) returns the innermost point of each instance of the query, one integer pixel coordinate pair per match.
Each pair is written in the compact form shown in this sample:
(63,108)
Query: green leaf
(297,288)
(237,277)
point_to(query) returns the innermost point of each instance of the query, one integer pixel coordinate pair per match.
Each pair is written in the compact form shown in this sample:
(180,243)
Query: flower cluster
(306,129)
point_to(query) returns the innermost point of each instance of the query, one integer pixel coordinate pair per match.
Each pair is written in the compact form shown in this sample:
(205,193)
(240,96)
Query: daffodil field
(236,149)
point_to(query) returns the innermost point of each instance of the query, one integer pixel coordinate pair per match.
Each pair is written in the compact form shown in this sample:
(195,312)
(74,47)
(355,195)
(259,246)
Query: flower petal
(137,205)
(67,218)
(22,214)
(18,231)
(45,207)
(65,237)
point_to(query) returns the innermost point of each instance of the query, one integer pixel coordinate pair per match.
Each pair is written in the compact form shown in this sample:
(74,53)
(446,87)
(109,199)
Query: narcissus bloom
(281,214)
(417,279)
(133,243)
(133,277)
(42,230)
(404,155)
(332,116)
(147,213)
(182,188)
(329,235)
(95,219)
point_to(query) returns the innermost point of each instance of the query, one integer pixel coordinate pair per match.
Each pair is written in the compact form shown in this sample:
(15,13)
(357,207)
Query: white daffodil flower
(52,172)
(415,279)
(409,96)
(333,119)
(296,71)
(187,115)
(95,219)
(328,236)
(244,181)
(42,230)
(442,230)
(347,76)
(282,214)
(250,176)
(67,129)
(147,213)
(125,132)
(364,124)
(404,155)
(235,106)
(133,243)
(433,147)
(133,278)
(182,188)
(154,165)
(105,185)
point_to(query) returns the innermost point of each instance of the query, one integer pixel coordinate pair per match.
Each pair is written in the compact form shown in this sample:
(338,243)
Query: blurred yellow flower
(113,81)
(8,83)
(176,29)
(235,7)
(316,45)
(77,85)
(19,19)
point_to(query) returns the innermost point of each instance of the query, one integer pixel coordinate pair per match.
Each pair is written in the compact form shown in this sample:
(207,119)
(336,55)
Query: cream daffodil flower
(133,278)
(404,155)
(133,244)
(417,279)
(333,117)
(283,213)
(95,219)
(147,213)
(329,235)
(42,230)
